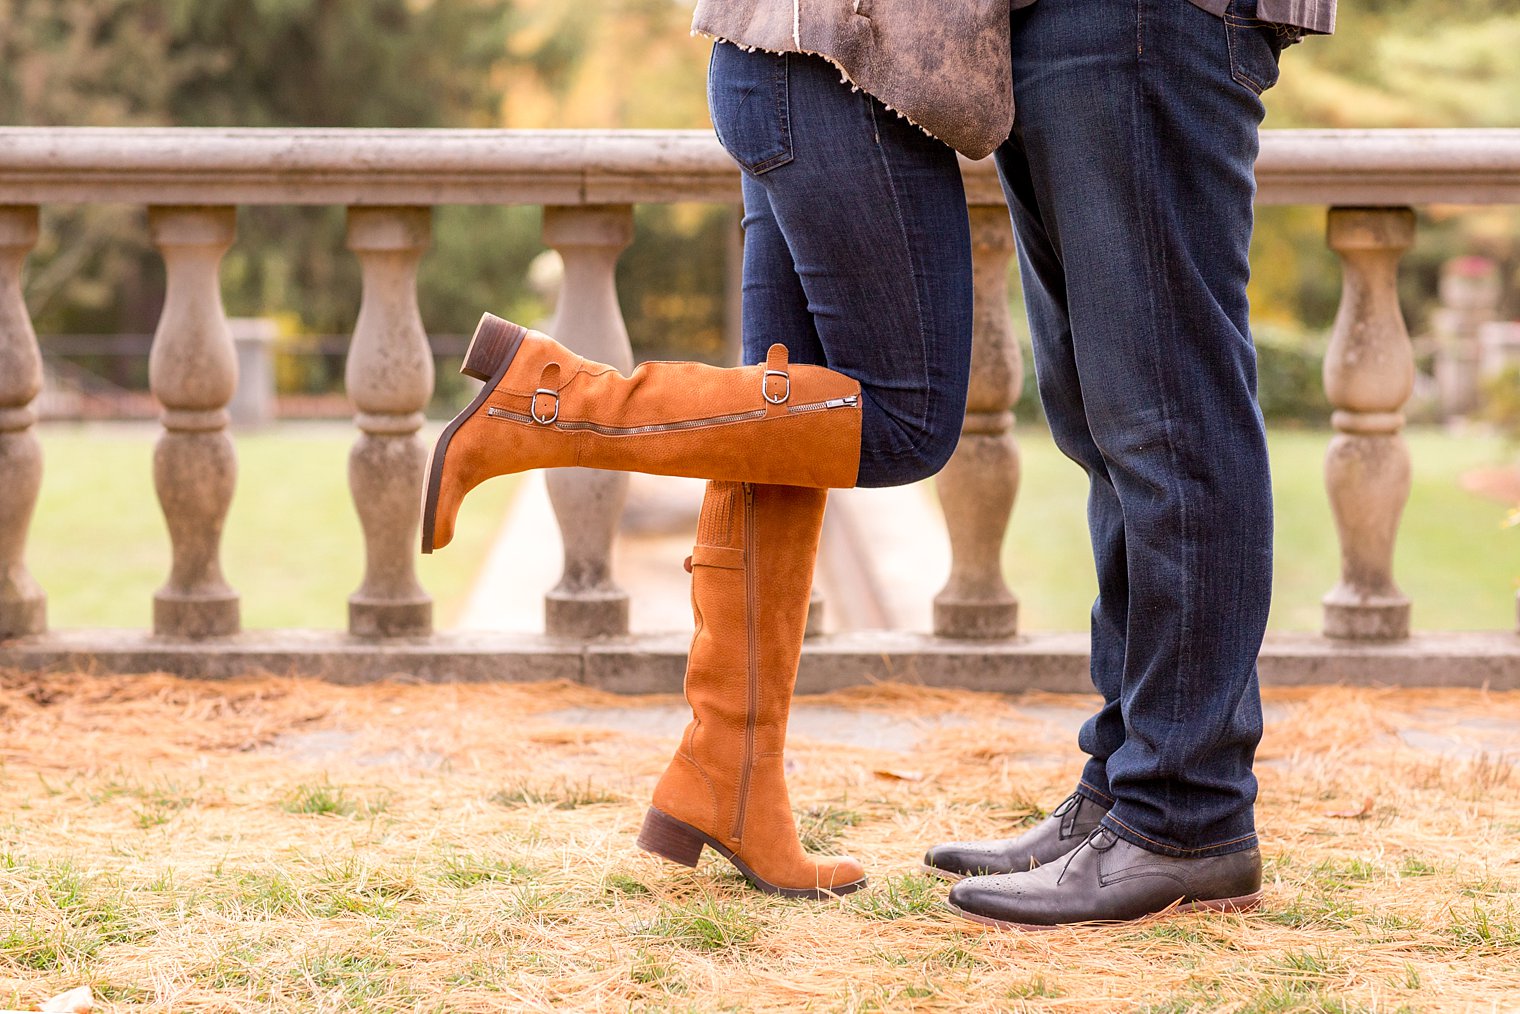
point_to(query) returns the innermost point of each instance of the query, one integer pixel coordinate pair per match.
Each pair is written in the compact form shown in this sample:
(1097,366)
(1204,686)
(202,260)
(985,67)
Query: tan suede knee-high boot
(752,574)
(543,406)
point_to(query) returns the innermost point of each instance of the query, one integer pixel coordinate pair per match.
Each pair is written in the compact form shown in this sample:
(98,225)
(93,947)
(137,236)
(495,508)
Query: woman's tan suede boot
(543,406)
(751,578)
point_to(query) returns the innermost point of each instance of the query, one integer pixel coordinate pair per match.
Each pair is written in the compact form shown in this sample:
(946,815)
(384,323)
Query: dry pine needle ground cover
(163,842)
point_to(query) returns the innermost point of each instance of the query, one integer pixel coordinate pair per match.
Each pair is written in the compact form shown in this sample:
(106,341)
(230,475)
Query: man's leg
(1140,145)
(1045,298)
(1044,283)
(1136,136)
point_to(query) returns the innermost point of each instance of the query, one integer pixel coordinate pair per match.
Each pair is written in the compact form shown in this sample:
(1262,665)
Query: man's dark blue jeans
(857,249)
(1130,177)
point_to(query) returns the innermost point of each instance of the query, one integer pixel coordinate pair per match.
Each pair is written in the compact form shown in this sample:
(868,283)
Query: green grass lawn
(292,548)
(294,552)
(1454,560)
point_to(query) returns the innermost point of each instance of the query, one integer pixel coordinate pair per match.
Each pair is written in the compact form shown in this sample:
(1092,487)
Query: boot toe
(967,858)
(838,873)
(999,899)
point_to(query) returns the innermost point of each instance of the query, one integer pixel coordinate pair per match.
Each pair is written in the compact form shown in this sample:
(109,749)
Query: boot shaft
(752,579)
(679,418)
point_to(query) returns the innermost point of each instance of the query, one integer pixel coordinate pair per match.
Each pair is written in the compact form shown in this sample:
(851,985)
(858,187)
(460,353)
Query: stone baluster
(23,607)
(193,372)
(1369,373)
(389,376)
(588,503)
(978,486)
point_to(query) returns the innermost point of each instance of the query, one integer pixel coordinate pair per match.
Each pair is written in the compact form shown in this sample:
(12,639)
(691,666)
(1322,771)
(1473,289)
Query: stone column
(1369,373)
(389,376)
(1470,295)
(254,405)
(23,606)
(978,486)
(589,502)
(193,372)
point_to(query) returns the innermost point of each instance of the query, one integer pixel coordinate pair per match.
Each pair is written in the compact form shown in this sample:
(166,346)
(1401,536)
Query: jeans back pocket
(747,99)
(1255,45)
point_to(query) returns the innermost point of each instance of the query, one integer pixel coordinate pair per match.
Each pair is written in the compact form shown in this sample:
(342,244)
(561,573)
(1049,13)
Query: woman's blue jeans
(1130,178)
(857,249)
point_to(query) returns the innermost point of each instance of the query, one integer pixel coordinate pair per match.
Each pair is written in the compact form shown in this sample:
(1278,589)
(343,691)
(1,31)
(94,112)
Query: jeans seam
(927,403)
(1089,787)
(1164,315)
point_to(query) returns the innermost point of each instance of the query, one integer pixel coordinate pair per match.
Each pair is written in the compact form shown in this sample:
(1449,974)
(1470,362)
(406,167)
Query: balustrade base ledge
(390,619)
(23,616)
(656,663)
(582,614)
(198,616)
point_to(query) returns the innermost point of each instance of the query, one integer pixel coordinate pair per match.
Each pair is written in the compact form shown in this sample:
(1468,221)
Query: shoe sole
(1244,903)
(681,843)
(492,349)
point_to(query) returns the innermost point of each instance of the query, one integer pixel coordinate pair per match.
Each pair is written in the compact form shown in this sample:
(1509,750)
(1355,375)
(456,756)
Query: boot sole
(1244,903)
(681,843)
(492,349)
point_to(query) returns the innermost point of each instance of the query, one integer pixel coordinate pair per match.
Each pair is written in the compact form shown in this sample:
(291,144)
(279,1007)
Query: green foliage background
(616,63)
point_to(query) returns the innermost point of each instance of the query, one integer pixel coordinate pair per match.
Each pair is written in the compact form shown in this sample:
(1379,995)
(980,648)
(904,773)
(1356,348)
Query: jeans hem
(1087,791)
(1236,843)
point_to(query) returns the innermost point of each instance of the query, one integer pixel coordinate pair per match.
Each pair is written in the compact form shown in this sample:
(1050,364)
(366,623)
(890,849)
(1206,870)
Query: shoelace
(1099,839)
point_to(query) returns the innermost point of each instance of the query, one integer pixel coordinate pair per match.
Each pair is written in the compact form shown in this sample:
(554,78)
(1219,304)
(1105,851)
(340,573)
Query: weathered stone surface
(331,655)
(564,167)
(1369,373)
(23,606)
(192,370)
(389,375)
(587,503)
(978,486)
(656,663)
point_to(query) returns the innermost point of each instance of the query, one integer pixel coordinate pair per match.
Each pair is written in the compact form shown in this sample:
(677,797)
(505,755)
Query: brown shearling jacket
(943,66)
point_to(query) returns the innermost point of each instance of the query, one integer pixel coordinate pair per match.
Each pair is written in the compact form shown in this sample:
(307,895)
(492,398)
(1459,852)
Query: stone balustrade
(192,181)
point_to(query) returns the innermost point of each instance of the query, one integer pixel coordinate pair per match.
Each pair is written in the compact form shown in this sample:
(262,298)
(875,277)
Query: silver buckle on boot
(533,406)
(784,394)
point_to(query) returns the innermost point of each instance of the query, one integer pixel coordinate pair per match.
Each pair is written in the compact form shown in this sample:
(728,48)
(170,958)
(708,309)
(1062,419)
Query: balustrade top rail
(567,167)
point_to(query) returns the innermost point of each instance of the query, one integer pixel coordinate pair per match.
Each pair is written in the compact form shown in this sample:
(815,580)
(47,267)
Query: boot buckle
(533,409)
(786,392)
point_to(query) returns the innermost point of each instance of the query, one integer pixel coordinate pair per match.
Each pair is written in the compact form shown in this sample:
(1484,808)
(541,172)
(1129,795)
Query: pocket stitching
(782,92)
(1241,76)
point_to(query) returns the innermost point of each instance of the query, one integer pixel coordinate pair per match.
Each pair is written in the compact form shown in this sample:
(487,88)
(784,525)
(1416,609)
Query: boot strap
(723,557)
(545,407)
(776,383)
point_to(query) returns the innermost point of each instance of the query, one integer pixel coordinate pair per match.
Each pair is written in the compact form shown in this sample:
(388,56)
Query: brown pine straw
(483,858)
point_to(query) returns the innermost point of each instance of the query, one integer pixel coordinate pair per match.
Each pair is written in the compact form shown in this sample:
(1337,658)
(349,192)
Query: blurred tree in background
(614,64)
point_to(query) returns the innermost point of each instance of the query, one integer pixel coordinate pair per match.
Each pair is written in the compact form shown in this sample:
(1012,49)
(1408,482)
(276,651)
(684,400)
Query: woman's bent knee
(920,460)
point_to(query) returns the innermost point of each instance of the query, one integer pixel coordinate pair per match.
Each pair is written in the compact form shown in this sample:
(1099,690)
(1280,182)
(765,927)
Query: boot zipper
(752,640)
(850,401)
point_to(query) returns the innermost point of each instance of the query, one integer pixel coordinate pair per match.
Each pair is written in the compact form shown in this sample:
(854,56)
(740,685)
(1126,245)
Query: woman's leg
(873,216)
(857,249)
(857,258)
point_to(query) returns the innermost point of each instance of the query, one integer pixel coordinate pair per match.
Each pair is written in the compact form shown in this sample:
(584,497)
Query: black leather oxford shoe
(1107,879)
(1047,841)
